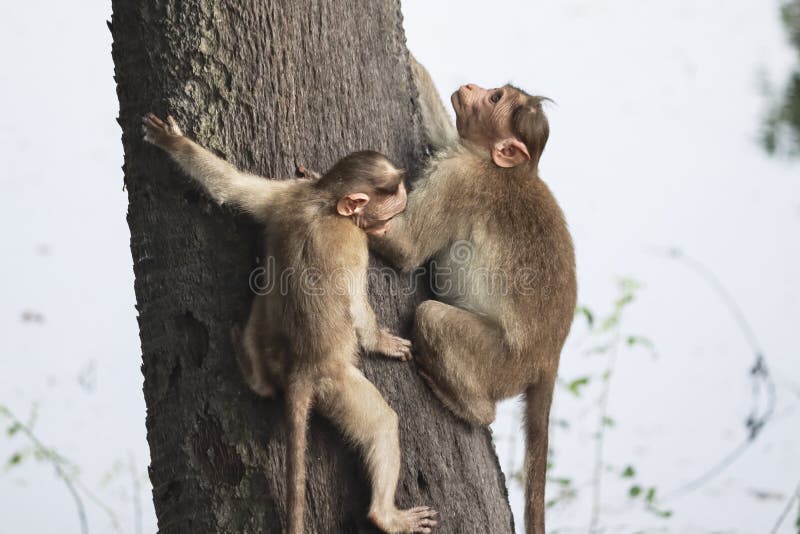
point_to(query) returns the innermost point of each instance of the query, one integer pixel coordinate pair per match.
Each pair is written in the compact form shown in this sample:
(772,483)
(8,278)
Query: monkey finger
(155,121)
(151,125)
(399,354)
(403,341)
(173,125)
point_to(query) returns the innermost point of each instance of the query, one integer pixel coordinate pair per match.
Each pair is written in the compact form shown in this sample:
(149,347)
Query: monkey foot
(394,346)
(419,519)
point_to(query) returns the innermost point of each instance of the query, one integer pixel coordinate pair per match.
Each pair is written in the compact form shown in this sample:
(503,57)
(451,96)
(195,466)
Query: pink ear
(510,152)
(352,203)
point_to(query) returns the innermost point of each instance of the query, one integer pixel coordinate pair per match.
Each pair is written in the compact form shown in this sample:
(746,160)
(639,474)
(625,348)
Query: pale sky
(653,145)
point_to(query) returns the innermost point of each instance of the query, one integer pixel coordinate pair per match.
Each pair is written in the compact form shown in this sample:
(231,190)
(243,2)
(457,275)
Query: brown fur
(303,335)
(500,333)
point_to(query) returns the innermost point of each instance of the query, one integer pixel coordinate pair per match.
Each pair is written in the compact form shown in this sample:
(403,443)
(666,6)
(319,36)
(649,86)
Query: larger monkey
(503,263)
(303,334)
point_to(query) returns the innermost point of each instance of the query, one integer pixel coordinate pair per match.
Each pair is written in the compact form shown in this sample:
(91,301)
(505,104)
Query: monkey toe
(414,520)
(394,346)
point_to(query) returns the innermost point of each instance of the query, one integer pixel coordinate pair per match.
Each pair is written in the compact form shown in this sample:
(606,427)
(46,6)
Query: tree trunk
(269,85)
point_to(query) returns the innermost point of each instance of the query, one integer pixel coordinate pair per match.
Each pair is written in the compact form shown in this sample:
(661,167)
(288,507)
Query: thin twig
(54,460)
(786,509)
(137,498)
(103,506)
(597,480)
(759,372)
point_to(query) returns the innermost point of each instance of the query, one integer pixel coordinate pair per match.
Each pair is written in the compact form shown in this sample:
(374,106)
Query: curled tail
(298,404)
(537,415)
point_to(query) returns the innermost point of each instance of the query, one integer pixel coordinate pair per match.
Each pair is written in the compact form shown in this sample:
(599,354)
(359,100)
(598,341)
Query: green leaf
(14,428)
(639,340)
(15,459)
(635,491)
(629,472)
(650,496)
(609,323)
(587,313)
(666,514)
(600,349)
(562,481)
(623,301)
(628,285)
(575,386)
(607,421)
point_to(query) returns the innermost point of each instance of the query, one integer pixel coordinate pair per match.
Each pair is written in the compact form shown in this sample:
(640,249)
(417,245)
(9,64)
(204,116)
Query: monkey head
(368,188)
(506,121)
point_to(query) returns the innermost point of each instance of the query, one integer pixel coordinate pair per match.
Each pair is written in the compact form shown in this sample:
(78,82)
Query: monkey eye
(495,98)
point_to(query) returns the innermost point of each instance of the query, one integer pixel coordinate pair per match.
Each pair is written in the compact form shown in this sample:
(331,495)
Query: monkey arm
(439,129)
(372,337)
(224,183)
(426,227)
(396,246)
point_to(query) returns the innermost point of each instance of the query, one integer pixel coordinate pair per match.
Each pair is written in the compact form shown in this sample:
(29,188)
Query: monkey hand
(394,346)
(162,134)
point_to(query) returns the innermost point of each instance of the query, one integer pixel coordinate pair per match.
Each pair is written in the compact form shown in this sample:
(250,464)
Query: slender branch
(103,506)
(786,509)
(56,463)
(599,444)
(137,496)
(759,372)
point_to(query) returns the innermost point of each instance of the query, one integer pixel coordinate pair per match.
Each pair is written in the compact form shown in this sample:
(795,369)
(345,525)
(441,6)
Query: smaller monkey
(303,336)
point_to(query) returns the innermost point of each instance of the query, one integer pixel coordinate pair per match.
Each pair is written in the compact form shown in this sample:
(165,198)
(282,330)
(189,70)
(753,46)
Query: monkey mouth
(378,228)
(455,99)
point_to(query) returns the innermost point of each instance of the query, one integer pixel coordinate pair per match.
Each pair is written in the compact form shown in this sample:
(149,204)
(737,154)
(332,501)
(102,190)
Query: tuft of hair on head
(366,170)
(529,123)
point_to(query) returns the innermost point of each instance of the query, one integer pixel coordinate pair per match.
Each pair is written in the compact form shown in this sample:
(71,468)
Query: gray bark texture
(269,85)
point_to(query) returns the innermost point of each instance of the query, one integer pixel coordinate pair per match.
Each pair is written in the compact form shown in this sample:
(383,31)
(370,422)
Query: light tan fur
(303,335)
(503,266)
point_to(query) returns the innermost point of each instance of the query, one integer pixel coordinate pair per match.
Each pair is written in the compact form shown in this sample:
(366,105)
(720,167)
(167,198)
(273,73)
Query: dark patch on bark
(216,458)
(194,338)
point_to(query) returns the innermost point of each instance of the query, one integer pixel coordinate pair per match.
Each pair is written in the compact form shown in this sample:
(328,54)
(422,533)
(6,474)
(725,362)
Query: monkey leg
(299,394)
(249,366)
(260,353)
(455,351)
(360,411)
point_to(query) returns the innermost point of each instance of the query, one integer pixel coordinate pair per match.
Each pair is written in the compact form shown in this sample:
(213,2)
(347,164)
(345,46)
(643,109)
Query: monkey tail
(537,410)
(298,402)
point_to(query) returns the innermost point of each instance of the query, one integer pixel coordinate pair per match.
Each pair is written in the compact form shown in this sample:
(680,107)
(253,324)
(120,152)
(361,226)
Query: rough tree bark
(268,85)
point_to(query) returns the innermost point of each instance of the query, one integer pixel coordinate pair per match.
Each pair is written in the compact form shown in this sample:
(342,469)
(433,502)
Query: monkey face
(485,118)
(482,115)
(377,214)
